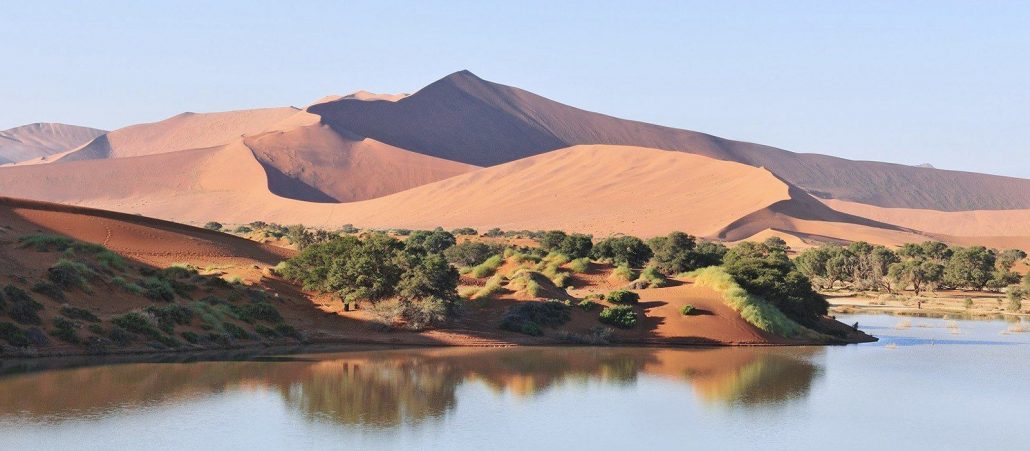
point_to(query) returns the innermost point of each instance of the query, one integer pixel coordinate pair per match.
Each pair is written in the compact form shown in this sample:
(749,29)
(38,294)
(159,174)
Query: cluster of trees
(378,267)
(764,269)
(925,266)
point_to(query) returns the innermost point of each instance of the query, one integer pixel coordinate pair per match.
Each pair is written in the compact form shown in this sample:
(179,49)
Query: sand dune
(42,140)
(188,131)
(595,189)
(315,163)
(464,118)
(152,241)
(966,223)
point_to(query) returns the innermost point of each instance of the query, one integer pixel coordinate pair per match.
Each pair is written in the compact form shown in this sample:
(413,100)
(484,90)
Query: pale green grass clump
(580,265)
(753,309)
(492,286)
(654,277)
(623,272)
(488,267)
(524,281)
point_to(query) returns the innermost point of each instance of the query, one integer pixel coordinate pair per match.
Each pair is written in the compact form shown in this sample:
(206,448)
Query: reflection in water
(386,388)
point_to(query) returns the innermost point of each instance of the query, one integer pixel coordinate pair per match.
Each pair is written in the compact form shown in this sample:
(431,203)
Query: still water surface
(928,384)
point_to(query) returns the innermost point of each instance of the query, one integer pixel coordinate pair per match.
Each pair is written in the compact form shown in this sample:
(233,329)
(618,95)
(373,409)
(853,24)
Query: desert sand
(41,140)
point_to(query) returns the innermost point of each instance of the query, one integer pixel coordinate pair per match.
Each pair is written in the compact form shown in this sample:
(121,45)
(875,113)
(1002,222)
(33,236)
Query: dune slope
(464,118)
(315,163)
(42,140)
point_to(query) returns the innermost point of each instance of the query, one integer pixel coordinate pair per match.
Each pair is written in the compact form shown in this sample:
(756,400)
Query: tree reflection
(387,388)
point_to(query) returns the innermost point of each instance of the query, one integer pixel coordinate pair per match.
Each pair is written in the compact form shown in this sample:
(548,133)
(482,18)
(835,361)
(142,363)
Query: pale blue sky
(903,81)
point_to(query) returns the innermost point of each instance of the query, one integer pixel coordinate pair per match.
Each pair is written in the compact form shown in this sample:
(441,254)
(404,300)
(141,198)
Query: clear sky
(946,83)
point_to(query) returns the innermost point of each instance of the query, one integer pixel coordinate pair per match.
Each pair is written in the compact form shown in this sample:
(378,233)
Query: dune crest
(41,140)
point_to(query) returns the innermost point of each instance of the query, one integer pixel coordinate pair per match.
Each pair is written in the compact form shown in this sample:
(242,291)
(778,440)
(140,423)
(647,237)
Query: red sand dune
(464,118)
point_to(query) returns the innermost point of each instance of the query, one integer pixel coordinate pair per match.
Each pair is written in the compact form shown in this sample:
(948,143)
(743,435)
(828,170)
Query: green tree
(622,250)
(428,277)
(429,242)
(767,272)
(970,267)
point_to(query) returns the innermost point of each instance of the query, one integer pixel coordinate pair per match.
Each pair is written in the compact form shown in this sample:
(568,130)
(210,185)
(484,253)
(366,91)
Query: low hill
(510,123)
(42,140)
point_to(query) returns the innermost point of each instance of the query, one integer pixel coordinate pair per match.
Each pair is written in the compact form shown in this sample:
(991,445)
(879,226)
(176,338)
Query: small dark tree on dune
(679,252)
(212,225)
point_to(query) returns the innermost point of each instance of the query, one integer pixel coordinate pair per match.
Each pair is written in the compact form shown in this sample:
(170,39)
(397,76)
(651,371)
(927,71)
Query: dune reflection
(386,388)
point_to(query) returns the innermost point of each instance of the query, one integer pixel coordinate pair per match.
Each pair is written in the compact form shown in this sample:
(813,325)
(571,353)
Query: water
(928,384)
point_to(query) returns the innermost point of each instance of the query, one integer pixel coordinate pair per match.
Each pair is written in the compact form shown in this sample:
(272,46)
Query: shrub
(622,272)
(235,331)
(178,272)
(767,272)
(287,330)
(79,313)
(68,274)
(429,242)
(470,253)
(191,337)
(587,305)
(562,279)
(65,330)
(47,243)
(622,250)
(622,297)
(212,225)
(526,282)
(424,313)
(679,252)
(580,265)
(752,308)
(169,315)
(428,276)
(13,335)
(621,316)
(464,231)
(493,285)
(688,310)
(157,289)
(574,246)
(20,306)
(110,260)
(259,311)
(487,267)
(120,336)
(48,289)
(528,317)
(126,285)
(494,232)
(137,323)
(653,277)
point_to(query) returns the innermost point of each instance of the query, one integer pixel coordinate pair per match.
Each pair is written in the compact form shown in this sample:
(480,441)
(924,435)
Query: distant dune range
(467,152)
(41,140)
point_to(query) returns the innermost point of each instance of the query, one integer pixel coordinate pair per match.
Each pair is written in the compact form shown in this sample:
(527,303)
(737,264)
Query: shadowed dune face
(317,164)
(41,140)
(510,124)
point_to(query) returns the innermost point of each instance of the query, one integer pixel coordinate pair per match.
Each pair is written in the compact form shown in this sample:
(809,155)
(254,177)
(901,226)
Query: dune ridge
(511,123)
(41,140)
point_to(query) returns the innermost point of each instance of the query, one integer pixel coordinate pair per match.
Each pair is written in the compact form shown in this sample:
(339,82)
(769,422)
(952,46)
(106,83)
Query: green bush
(464,231)
(621,316)
(120,336)
(470,253)
(688,310)
(235,331)
(679,252)
(287,330)
(622,250)
(20,306)
(168,316)
(137,323)
(754,309)
(653,277)
(623,272)
(766,272)
(525,317)
(266,331)
(622,297)
(79,313)
(191,337)
(587,305)
(13,335)
(65,330)
(259,311)
(68,274)
(580,265)
(48,289)
(212,225)
(111,260)
(126,285)
(48,243)
(157,289)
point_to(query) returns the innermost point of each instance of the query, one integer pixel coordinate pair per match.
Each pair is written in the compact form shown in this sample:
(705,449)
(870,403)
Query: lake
(927,384)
